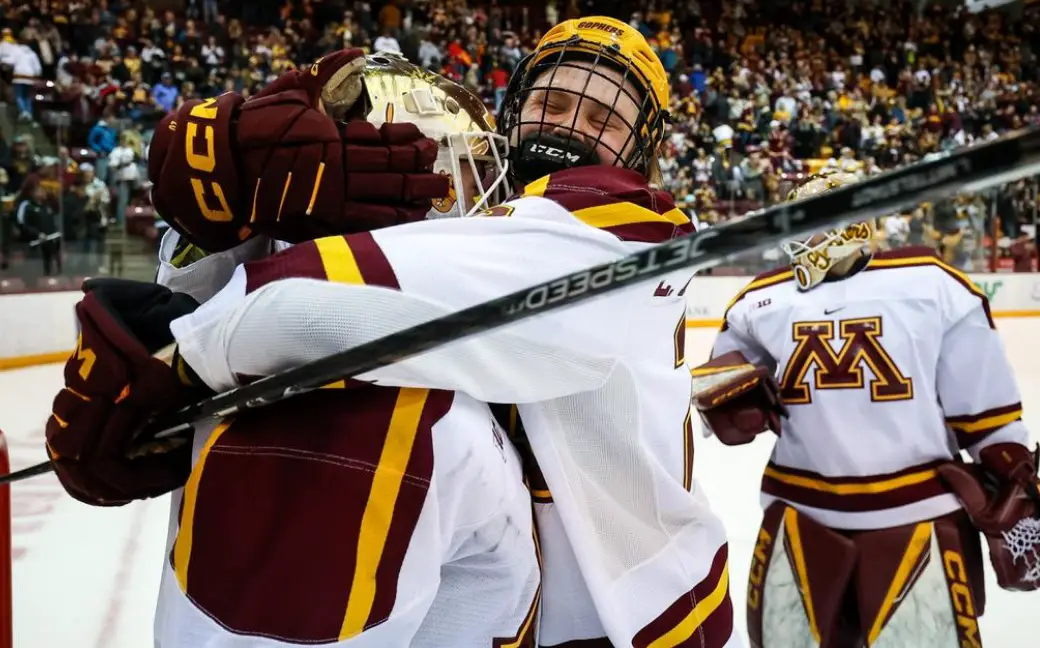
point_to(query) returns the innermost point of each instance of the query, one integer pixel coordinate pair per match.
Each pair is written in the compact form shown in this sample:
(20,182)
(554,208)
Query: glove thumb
(334,82)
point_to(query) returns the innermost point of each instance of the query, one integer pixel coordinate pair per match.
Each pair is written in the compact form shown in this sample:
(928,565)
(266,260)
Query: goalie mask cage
(6,639)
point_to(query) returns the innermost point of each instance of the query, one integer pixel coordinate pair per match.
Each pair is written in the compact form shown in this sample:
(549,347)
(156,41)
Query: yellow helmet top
(537,146)
(621,42)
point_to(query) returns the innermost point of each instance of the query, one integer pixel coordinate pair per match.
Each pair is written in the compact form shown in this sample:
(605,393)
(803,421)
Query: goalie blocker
(736,400)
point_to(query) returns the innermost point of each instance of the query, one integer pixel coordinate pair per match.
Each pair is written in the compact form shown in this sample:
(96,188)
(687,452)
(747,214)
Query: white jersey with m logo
(886,374)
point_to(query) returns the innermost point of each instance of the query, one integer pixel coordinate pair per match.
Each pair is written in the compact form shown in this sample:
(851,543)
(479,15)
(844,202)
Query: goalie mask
(471,154)
(812,259)
(592,92)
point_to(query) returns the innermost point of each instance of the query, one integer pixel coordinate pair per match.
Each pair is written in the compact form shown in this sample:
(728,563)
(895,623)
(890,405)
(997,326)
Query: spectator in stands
(73,228)
(45,176)
(122,164)
(102,140)
(499,81)
(26,68)
(870,85)
(166,93)
(1023,253)
(387,42)
(95,215)
(37,224)
(21,163)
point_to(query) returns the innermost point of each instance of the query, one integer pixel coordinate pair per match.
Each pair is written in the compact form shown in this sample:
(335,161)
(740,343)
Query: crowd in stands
(765,92)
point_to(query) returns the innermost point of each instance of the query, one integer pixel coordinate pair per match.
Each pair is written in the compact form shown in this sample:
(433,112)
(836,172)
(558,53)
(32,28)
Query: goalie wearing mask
(874,369)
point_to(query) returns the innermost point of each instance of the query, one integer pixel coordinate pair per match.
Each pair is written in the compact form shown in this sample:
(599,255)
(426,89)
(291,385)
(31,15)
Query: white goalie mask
(471,154)
(813,258)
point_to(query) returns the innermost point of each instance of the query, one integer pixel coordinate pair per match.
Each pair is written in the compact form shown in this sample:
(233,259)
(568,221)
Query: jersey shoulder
(763,283)
(935,278)
(618,201)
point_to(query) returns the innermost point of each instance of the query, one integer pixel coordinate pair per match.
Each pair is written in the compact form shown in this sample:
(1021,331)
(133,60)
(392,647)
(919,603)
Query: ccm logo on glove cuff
(204,162)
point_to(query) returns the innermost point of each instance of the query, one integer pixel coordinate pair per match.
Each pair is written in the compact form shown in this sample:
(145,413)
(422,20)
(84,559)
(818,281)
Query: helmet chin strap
(540,154)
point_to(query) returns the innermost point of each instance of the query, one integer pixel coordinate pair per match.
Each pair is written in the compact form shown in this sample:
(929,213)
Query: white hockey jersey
(363,516)
(631,549)
(886,374)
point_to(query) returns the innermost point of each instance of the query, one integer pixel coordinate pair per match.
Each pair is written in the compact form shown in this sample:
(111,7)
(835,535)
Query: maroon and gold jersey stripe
(972,428)
(764,280)
(380,551)
(853,494)
(353,259)
(296,520)
(181,553)
(616,201)
(524,637)
(688,450)
(702,617)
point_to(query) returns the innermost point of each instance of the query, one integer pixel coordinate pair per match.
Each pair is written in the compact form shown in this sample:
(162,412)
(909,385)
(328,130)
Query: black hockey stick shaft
(984,165)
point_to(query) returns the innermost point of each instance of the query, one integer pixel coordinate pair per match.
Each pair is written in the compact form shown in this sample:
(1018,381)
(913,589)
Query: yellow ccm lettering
(86,356)
(962,600)
(200,162)
(219,215)
(759,560)
(201,157)
(205,110)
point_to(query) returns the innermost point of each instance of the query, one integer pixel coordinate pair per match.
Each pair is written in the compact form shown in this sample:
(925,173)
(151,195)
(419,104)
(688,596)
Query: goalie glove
(1001,495)
(282,163)
(736,400)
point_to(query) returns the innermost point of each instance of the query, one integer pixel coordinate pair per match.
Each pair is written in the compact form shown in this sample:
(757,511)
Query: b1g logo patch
(501,211)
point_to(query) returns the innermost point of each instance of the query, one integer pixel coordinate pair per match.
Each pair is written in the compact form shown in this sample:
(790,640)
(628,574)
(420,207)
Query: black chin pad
(540,154)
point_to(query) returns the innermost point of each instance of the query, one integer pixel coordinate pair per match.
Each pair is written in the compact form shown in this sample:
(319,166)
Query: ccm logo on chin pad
(554,153)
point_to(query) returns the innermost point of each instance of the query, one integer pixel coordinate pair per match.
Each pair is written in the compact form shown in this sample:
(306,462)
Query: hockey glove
(737,400)
(284,165)
(113,386)
(1001,495)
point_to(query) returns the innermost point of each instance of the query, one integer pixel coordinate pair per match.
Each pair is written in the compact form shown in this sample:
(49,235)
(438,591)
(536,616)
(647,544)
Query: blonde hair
(653,170)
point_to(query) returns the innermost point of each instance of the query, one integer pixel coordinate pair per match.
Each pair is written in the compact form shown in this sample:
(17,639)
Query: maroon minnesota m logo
(861,345)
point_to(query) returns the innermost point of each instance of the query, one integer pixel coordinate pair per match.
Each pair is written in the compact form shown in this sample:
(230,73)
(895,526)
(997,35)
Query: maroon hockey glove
(113,386)
(1001,495)
(737,401)
(284,165)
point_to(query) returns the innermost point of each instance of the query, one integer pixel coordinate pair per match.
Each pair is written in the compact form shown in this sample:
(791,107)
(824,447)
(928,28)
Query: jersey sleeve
(325,296)
(976,385)
(736,335)
(185,268)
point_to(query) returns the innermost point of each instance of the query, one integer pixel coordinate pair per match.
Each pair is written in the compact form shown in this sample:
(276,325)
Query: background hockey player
(886,365)
(370,516)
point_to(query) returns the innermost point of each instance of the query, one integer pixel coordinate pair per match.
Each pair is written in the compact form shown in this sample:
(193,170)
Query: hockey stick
(980,166)
(49,237)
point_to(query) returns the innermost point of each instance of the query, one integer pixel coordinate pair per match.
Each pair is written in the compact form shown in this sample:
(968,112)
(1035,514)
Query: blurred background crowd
(765,92)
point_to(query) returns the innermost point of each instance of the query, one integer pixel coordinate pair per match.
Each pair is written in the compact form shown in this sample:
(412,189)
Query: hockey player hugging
(886,365)
(395,510)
